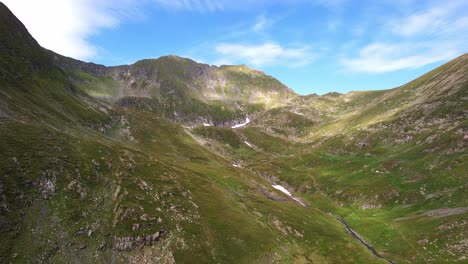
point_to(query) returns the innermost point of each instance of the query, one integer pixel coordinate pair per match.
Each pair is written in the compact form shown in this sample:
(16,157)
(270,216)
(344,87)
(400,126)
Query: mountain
(180,89)
(140,163)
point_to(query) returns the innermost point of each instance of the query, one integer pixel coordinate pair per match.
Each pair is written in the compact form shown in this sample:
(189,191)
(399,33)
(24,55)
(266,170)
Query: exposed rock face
(47,185)
(270,194)
(70,63)
(446,212)
(102,246)
(181,89)
(133,242)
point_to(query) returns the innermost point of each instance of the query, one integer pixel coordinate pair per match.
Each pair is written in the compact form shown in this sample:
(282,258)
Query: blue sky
(313,46)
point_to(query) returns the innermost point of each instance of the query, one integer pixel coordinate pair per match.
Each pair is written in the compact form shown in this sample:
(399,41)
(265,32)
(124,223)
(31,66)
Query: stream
(361,240)
(350,230)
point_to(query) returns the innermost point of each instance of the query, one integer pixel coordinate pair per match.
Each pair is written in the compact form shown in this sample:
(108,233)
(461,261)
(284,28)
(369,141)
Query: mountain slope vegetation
(140,163)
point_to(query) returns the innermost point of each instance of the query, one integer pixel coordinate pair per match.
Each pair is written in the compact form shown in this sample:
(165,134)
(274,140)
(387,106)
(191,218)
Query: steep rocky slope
(180,89)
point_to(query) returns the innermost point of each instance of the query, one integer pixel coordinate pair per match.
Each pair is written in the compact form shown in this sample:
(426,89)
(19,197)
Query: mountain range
(171,161)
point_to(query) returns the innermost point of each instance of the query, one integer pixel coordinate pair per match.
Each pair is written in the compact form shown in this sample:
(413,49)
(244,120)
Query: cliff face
(180,89)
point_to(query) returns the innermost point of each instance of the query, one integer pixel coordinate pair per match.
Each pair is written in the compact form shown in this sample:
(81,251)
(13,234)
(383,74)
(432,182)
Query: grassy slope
(211,211)
(75,173)
(413,161)
(389,174)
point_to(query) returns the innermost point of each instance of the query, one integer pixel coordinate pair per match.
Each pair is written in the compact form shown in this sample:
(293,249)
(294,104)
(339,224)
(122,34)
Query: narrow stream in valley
(361,240)
(350,230)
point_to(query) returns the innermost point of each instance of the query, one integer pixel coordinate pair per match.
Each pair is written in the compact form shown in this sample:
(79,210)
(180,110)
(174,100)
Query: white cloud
(192,5)
(264,54)
(262,23)
(65,26)
(387,57)
(435,34)
(435,20)
(418,23)
(206,6)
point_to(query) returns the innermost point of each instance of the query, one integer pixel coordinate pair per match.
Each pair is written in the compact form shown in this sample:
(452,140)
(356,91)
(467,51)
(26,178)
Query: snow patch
(236,165)
(297,113)
(297,200)
(248,144)
(282,189)
(207,125)
(247,120)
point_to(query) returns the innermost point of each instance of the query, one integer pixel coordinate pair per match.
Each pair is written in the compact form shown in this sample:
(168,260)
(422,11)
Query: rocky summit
(171,161)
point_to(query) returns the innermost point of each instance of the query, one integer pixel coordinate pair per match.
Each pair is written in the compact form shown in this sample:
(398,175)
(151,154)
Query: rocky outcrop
(134,242)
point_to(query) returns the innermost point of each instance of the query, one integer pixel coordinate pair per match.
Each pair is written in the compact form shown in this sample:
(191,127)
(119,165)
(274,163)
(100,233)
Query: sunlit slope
(85,181)
(392,162)
(179,88)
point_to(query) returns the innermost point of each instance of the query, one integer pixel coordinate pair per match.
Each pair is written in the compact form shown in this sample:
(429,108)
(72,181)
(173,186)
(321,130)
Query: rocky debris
(298,234)
(450,226)
(423,241)
(82,231)
(145,217)
(285,229)
(372,203)
(132,242)
(116,193)
(102,246)
(87,230)
(160,254)
(83,246)
(47,184)
(173,208)
(370,206)
(278,225)
(270,194)
(144,185)
(76,186)
(460,248)
(136,227)
(446,212)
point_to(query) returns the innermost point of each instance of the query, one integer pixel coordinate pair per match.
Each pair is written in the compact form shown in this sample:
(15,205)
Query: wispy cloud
(437,33)
(418,23)
(206,6)
(333,24)
(265,54)
(436,20)
(193,5)
(67,29)
(386,57)
(262,23)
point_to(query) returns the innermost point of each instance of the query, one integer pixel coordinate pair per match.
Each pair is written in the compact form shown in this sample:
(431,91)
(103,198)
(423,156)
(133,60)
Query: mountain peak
(20,52)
